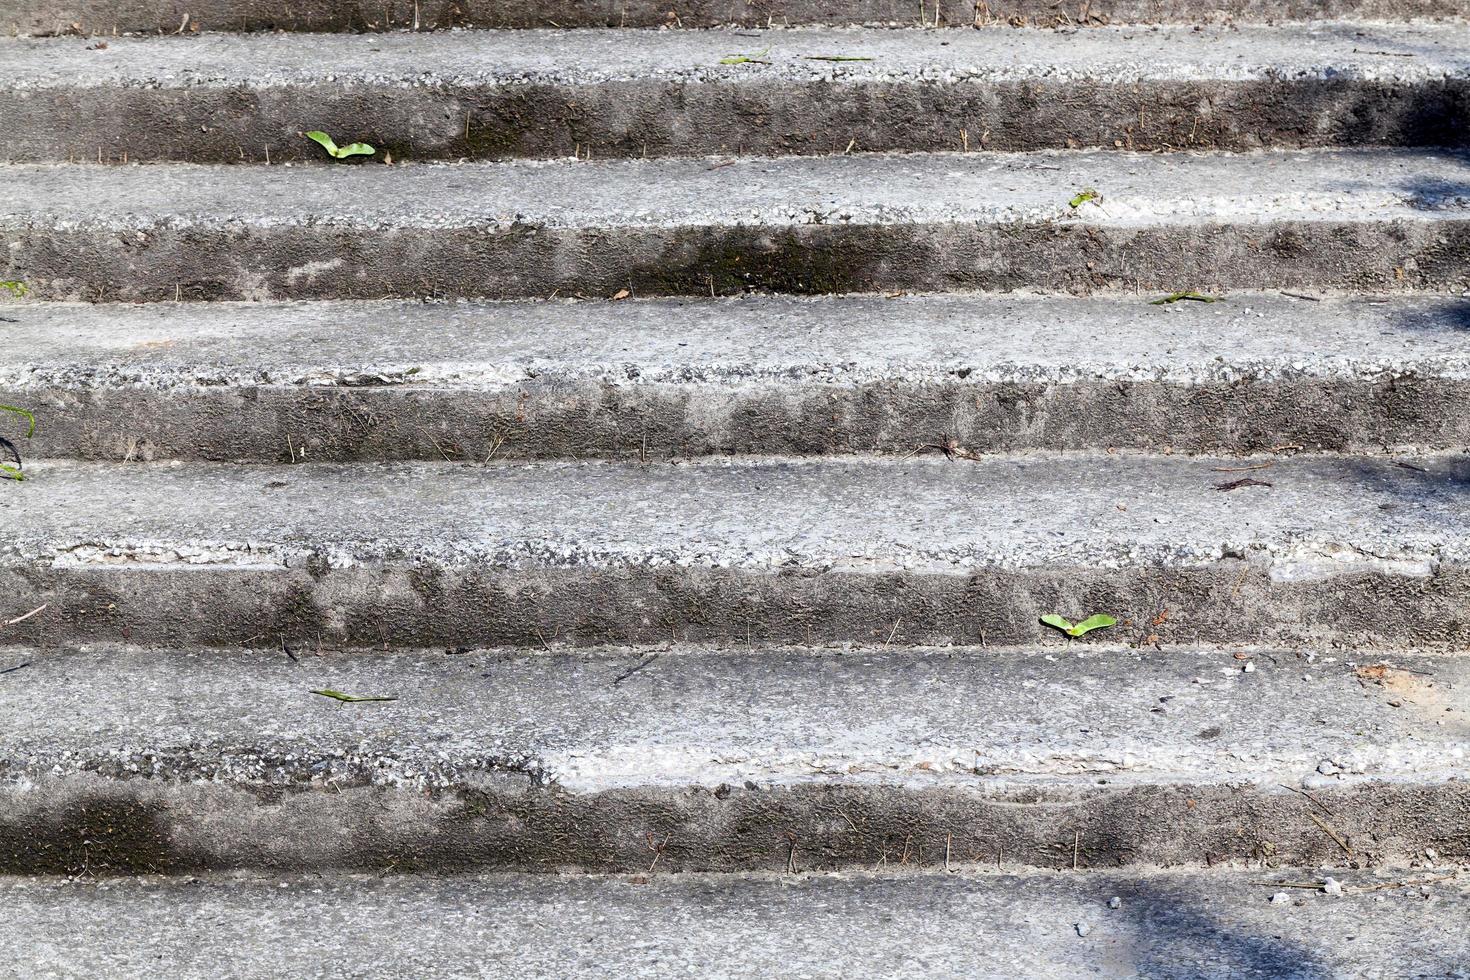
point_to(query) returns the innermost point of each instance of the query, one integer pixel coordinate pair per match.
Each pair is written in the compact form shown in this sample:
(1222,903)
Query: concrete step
(490,95)
(125,761)
(913,551)
(175,16)
(1167,925)
(1362,220)
(763,375)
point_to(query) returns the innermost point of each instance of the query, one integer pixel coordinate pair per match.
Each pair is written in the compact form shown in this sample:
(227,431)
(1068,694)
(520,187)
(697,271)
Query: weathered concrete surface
(491,95)
(1169,925)
(168,16)
(1364,220)
(1335,551)
(662,379)
(128,760)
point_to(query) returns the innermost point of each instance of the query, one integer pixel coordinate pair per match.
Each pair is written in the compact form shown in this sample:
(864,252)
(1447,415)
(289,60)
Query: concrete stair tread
(164,16)
(1385,219)
(872,516)
(172,761)
(1169,925)
(1401,53)
(227,98)
(676,717)
(1356,186)
(732,342)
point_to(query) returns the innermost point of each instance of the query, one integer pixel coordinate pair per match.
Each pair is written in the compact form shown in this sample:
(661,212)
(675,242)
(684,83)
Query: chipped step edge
(199,769)
(1384,221)
(1326,550)
(760,375)
(233,98)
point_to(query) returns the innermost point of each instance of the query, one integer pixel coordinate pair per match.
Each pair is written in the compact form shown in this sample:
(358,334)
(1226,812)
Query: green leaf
(8,471)
(1065,625)
(15,288)
(1100,621)
(834,57)
(1176,297)
(1087,194)
(745,59)
(1089,624)
(24,413)
(340,152)
(349,698)
(328,144)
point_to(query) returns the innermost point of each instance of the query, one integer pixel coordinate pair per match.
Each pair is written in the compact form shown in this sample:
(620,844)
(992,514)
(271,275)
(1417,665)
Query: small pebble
(1248,668)
(1280,898)
(1083,929)
(1332,886)
(1115,902)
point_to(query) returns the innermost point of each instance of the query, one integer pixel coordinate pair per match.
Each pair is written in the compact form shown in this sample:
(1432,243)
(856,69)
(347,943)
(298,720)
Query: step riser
(150,263)
(149,16)
(570,419)
(658,118)
(1229,602)
(145,825)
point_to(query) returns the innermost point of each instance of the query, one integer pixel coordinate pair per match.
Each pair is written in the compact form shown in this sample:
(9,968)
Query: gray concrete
(109,17)
(491,95)
(1173,925)
(130,760)
(661,379)
(1362,220)
(1335,551)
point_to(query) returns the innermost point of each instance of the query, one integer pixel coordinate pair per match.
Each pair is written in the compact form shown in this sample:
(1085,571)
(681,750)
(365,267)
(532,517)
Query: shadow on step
(1451,315)
(1423,483)
(1437,194)
(1179,937)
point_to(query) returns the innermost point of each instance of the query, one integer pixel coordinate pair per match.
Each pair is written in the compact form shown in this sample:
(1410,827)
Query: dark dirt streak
(1230,601)
(654,118)
(150,826)
(550,419)
(527,262)
(151,16)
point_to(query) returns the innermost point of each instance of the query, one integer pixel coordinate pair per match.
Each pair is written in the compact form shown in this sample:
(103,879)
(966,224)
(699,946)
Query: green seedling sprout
(15,288)
(1085,195)
(1100,621)
(8,471)
(340,152)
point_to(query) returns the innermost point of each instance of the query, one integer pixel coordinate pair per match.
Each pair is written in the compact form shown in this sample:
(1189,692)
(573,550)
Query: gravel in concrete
(764,375)
(179,760)
(1334,550)
(1168,926)
(108,17)
(1366,220)
(225,98)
